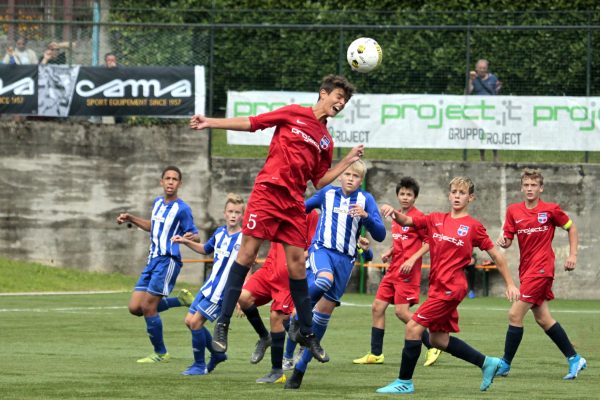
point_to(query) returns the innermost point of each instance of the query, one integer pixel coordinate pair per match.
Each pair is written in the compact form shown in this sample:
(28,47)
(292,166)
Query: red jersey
(451,242)
(407,241)
(301,148)
(535,230)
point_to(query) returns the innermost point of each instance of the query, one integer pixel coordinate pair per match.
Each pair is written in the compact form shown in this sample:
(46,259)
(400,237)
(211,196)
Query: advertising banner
(62,91)
(441,121)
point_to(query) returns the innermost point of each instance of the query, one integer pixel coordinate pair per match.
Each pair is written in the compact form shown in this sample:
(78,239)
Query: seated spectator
(53,55)
(21,54)
(110,60)
(10,57)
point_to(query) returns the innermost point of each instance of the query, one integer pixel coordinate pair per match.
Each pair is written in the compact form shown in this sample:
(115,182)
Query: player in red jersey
(533,222)
(271,283)
(451,239)
(402,282)
(301,150)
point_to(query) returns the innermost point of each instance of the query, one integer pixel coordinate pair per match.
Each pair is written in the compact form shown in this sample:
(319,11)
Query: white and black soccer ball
(364,55)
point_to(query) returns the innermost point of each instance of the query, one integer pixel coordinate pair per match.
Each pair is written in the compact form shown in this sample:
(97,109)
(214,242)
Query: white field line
(64,293)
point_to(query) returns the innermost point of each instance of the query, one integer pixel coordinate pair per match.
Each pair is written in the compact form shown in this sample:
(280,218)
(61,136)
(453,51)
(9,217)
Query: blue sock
(168,302)
(155,333)
(317,287)
(320,322)
(199,345)
(290,347)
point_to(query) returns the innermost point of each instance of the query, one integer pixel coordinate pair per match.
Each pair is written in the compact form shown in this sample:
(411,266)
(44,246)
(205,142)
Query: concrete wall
(63,184)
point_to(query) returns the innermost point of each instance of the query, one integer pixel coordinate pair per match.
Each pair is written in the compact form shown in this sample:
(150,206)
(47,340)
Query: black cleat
(219,342)
(261,347)
(295,380)
(311,342)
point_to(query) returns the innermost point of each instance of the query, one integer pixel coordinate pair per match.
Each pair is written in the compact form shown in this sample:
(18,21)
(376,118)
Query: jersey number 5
(251,221)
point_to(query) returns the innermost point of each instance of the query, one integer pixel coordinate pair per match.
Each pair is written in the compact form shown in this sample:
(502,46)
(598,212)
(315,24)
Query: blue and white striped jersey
(226,247)
(336,230)
(168,220)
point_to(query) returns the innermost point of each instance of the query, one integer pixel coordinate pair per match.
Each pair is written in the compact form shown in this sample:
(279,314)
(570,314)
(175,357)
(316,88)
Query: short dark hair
(172,168)
(408,183)
(331,82)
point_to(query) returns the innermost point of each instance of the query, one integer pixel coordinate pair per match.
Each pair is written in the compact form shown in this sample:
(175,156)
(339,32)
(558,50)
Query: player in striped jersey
(533,222)
(401,284)
(331,255)
(170,216)
(225,243)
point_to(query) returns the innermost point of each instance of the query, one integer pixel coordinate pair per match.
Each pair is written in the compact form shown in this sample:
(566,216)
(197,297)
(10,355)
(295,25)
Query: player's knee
(245,300)
(545,321)
(403,315)
(514,317)
(324,282)
(135,310)
(377,309)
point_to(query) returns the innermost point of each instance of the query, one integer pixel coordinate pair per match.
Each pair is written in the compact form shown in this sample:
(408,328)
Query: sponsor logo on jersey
(305,137)
(542,217)
(324,143)
(400,236)
(440,237)
(158,219)
(222,253)
(529,231)
(462,230)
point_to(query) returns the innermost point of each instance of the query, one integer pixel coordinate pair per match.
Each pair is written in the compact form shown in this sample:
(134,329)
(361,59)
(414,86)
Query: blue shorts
(338,264)
(204,306)
(159,276)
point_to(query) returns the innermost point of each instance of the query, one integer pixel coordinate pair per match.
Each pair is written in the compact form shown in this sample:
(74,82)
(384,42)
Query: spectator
(21,54)
(110,60)
(53,55)
(484,83)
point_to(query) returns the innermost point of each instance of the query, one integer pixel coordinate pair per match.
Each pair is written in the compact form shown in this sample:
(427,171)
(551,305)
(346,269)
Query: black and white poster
(18,89)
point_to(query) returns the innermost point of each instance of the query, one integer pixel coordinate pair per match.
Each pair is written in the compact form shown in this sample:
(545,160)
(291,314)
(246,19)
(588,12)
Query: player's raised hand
(199,122)
(356,153)
(387,210)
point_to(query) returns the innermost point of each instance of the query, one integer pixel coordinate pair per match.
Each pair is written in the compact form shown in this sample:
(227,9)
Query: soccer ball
(364,55)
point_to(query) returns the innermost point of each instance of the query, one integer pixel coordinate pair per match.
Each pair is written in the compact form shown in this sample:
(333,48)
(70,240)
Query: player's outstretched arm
(141,223)
(512,293)
(573,242)
(354,154)
(197,247)
(200,122)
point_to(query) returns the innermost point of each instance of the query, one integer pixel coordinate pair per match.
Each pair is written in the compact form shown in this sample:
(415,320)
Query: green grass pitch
(85,346)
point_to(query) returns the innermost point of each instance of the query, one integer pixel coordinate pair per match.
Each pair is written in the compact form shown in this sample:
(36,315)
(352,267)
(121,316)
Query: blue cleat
(489,369)
(399,386)
(576,364)
(215,359)
(196,369)
(503,368)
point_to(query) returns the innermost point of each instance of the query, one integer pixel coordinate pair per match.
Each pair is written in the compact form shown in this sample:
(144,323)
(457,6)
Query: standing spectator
(484,83)
(110,60)
(53,55)
(21,54)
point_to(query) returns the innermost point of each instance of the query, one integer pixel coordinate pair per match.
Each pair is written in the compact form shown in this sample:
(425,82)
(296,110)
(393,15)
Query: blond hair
(359,167)
(464,181)
(533,174)
(234,199)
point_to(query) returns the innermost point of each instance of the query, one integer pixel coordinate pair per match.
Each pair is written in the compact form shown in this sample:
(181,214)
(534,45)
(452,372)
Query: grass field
(85,346)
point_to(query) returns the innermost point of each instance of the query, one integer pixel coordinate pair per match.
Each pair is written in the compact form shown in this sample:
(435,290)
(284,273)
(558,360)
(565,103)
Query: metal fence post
(588,73)
(96,33)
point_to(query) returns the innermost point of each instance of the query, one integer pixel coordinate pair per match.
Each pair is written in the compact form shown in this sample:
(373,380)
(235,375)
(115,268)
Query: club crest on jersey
(462,230)
(405,228)
(542,217)
(324,143)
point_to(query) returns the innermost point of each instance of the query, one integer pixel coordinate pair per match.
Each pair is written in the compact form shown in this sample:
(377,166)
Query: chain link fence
(535,54)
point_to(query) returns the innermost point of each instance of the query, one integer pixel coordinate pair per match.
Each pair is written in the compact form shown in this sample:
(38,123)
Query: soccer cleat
(576,364)
(154,358)
(431,356)
(195,369)
(399,386)
(490,366)
(288,363)
(274,376)
(503,368)
(311,342)
(219,341)
(295,380)
(215,358)
(369,359)
(261,347)
(471,294)
(185,297)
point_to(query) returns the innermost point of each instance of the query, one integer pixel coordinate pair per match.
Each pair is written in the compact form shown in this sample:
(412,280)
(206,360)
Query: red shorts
(536,290)
(392,290)
(273,214)
(265,285)
(438,315)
